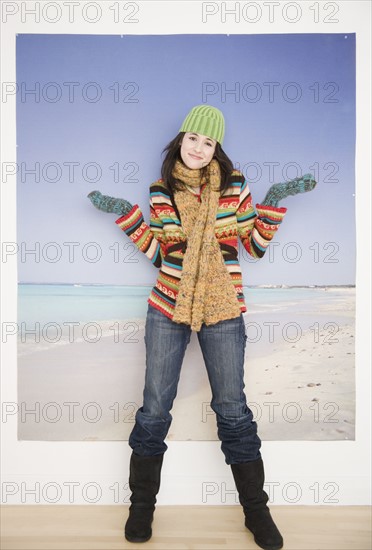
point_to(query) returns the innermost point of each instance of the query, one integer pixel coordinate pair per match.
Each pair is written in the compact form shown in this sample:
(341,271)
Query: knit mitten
(280,191)
(110,204)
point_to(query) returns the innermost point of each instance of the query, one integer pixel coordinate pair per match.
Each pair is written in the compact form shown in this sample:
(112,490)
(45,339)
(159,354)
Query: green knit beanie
(205,120)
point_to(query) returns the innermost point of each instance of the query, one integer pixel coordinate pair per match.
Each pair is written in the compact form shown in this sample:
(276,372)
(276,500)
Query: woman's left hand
(280,191)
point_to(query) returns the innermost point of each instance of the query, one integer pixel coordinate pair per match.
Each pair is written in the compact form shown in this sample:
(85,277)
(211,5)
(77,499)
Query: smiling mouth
(195,157)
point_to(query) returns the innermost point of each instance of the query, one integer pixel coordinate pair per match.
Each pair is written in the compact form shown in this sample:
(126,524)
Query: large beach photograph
(94,113)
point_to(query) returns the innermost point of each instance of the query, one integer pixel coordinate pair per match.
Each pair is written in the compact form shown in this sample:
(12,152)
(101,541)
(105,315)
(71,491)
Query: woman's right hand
(109,204)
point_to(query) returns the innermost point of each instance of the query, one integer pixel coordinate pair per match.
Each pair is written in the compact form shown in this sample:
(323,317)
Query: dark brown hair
(172,151)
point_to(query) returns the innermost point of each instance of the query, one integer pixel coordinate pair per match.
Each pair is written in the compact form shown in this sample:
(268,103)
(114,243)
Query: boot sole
(137,539)
(268,547)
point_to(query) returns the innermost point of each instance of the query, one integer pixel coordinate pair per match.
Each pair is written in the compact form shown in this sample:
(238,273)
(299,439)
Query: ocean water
(58,303)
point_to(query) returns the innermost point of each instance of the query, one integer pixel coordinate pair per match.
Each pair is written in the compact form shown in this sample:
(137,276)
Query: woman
(198,209)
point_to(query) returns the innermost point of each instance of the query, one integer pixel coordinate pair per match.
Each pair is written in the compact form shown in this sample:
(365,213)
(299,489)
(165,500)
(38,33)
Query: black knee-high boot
(144,482)
(249,480)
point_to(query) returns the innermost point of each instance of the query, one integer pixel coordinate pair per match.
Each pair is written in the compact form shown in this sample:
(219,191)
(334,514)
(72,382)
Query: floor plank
(181,528)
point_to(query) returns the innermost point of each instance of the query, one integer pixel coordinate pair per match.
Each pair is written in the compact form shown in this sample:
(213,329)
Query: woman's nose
(198,146)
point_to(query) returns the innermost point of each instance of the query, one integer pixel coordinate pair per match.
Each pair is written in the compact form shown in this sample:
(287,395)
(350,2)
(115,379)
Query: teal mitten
(110,204)
(280,191)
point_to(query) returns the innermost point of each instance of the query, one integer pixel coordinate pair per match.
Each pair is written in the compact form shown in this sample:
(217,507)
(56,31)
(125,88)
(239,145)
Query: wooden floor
(182,527)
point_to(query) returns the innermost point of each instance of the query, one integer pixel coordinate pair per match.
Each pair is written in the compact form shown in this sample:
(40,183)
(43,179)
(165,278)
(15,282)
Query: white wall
(194,472)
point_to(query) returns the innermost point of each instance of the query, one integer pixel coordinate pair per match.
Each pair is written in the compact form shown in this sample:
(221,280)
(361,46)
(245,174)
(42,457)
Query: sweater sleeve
(257,227)
(148,239)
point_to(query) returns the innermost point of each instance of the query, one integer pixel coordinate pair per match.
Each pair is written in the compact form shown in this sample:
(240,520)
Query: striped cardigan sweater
(165,243)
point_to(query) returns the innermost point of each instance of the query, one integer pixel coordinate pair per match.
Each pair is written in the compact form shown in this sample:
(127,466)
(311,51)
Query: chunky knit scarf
(206,293)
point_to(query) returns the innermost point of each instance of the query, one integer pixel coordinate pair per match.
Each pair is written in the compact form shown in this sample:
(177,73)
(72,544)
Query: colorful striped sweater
(165,243)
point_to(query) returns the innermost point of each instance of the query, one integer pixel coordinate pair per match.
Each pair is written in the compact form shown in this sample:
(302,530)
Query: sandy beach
(299,376)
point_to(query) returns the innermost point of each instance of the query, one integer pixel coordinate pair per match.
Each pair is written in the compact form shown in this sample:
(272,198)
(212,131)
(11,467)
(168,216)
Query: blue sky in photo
(289,107)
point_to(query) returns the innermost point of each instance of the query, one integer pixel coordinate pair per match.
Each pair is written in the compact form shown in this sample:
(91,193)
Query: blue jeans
(223,346)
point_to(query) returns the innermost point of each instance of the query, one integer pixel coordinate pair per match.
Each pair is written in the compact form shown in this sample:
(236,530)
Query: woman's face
(197,150)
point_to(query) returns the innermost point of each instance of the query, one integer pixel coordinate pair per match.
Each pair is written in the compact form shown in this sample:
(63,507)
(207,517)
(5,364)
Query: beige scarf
(206,292)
